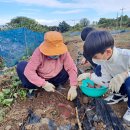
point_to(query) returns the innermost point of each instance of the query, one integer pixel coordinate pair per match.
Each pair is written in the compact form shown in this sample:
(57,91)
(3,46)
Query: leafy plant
(1,97)
(6,91)
(8,95)
(15,78)
(7,102)
(5,99)
(22,93)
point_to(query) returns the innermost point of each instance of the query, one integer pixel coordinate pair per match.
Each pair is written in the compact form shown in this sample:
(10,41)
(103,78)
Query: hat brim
(57,50)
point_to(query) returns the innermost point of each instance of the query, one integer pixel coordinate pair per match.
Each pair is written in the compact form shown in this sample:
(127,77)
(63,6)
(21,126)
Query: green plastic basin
(92,92)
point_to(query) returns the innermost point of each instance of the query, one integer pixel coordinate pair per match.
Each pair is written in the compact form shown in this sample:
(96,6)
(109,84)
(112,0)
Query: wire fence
(16,43)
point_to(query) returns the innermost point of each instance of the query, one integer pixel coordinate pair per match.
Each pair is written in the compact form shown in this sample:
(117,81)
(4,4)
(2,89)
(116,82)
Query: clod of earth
(95,86)
(85,100)
(66,111)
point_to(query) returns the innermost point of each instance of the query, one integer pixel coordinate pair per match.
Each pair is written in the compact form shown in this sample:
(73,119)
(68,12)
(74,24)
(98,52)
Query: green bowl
(92,92)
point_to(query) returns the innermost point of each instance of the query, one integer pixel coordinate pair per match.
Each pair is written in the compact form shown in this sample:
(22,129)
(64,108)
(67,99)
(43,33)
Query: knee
(127,81)
(127,84)
(21,66)
(128,88)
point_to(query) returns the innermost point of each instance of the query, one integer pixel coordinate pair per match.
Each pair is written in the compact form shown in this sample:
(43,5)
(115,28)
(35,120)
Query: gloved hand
(117,81)
(96,79)
(83,76)
(49,87)
(72,93)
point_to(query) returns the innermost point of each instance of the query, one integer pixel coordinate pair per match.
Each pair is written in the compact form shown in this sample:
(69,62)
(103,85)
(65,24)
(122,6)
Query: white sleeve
(104,79)
(126,52)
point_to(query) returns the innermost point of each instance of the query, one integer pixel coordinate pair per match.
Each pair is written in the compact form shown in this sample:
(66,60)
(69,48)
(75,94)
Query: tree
(125,21)
(28,23)
(84,22)
(64,27)
(76,27)
(104,22)
(94,24)
(53,28)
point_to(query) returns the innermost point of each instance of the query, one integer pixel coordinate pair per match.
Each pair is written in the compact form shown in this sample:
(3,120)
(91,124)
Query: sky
(51,12)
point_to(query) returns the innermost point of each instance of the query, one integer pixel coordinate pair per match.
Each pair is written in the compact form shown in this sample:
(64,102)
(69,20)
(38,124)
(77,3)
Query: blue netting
(16,43)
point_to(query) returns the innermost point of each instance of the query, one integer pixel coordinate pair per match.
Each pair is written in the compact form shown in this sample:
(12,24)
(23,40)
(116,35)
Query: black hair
(97,42)
(85,32)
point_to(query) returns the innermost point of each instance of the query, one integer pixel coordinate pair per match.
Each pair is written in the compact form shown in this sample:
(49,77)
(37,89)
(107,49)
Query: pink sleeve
(30,70)
(70,67)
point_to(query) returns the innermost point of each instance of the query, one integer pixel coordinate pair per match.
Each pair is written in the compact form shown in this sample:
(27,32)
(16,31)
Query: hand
(117,81)
(83,76)
(85,62)
(72,93)
(49,87)
(97,80)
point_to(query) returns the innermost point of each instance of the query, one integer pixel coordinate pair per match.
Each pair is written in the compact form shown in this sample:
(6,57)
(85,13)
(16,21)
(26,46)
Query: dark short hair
(97,42)
(85,32)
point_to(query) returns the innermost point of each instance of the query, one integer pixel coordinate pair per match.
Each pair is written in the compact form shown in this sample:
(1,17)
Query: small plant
(22,93)
(8,95)
(18,91)
(5,98)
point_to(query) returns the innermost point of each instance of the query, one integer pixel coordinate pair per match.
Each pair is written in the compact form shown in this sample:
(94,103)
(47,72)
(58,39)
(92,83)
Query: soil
(54,105)
(50,105)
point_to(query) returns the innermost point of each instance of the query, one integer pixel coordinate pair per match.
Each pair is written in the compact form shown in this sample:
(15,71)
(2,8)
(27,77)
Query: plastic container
(92,92)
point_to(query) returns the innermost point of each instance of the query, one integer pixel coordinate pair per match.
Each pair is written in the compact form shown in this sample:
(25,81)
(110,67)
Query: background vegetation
(118,23)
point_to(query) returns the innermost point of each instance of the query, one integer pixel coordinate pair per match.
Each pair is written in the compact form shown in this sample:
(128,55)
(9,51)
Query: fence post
(25,41)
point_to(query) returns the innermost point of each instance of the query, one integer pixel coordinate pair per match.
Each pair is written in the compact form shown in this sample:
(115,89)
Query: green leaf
(14,84)
(15,95)
(22,94)
(6,91)
(1,95)
(7,102)
(19,83)
(15,78)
